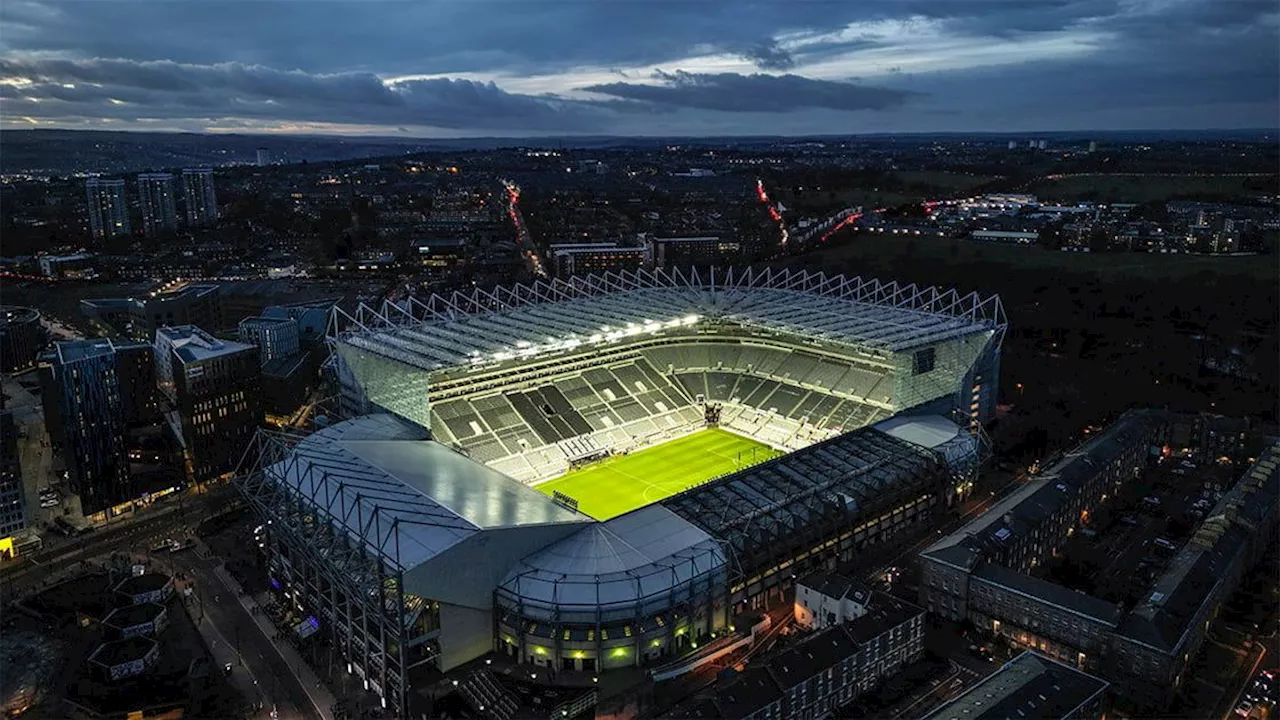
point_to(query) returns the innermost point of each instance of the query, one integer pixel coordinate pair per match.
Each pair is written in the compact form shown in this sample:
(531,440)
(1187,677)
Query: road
(141,533)
(218,608)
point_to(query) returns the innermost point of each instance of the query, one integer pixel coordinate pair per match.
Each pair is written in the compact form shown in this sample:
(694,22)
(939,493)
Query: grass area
(890,255)
(1145,188)
(944,180)
(623,483)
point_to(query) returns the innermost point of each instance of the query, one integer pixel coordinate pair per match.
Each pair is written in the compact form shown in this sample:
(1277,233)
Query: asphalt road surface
(231,622)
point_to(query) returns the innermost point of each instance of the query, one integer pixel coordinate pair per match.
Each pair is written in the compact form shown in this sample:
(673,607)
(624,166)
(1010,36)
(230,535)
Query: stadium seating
(536,427)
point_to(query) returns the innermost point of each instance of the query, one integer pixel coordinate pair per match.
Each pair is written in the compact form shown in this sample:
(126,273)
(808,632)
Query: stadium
(606,472)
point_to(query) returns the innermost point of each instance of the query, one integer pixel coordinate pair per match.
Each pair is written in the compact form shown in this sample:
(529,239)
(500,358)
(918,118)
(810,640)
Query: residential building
(685,251)
(159,203)
(1159,640)
(1030,686)
(13,508)
(1018,237)
(276,338)
(77,266)
(201,201)
(829,669)
(439,256)
(108,209)
(586,258)
(824,600)
(91,391)
(979,573)
(264,157)
(214,389)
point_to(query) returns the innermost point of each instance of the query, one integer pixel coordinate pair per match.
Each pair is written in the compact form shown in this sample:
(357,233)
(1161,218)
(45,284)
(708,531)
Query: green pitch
(621,484)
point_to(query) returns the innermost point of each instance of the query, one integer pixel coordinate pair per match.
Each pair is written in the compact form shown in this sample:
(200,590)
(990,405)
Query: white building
(824,600)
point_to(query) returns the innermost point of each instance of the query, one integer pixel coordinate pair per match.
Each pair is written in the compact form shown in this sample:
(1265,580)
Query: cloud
(777,66)
(768,56)
(132,90)
(733,92)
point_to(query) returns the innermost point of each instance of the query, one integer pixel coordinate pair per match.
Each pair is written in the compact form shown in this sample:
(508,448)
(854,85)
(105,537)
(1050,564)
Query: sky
(470,68)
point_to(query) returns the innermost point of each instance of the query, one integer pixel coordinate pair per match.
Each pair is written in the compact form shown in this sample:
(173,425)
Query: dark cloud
(732,92)
(168,89)
(768,56)
(1145,62)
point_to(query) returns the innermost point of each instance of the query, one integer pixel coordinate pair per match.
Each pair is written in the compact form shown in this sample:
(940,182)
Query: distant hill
(61,152)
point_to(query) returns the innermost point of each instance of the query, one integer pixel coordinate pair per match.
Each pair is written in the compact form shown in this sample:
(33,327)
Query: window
(923,361)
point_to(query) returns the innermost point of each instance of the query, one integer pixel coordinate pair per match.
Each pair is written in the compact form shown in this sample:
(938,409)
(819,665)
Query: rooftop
(837,586)
(1077,602)
(1025,509)
(145,583)
(194,345)
(425,496)
(1163,618)
(17,314)
(130,615)
(75,350)
(616,563)
(1028,686)
(123,651)
(786,498)
(549,317)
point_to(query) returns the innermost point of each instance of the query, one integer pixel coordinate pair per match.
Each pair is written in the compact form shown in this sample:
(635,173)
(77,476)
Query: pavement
(272,673)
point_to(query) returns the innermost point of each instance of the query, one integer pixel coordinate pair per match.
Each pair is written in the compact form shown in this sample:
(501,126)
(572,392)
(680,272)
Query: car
(1244,708)
(1179,471)
(1129,520)
(227,668)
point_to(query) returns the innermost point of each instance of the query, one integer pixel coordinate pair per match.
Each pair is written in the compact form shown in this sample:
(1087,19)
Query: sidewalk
(319,693)
(242,678)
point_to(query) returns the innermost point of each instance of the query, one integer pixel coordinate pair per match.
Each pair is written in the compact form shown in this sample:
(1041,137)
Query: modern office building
(13,504)
(275,338)
(108,208)
(264,157)
(159,203)
(22,337)
(92,390)
(198,193)
(1030,686)
(214,389)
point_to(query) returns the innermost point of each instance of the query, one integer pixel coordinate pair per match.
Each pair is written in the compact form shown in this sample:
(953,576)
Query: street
(217,607)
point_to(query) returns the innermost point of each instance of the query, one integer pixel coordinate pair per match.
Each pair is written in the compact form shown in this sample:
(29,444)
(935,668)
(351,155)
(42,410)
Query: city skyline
(626,68)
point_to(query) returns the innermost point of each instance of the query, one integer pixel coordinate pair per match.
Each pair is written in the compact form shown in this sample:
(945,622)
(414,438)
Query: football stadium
(609,471)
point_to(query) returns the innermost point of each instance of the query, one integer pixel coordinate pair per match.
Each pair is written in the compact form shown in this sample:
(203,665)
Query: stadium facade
(412,532)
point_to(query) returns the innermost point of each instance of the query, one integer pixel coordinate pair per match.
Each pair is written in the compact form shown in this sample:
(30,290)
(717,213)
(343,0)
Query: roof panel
(852,311)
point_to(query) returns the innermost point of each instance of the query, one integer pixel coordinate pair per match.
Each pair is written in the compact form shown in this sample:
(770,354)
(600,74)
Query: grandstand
(534,381)
(741,426)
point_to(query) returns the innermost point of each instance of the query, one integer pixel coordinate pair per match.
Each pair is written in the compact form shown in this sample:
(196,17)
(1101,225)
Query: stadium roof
(769,508)
(408,498)
(548,317)
(615,565)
